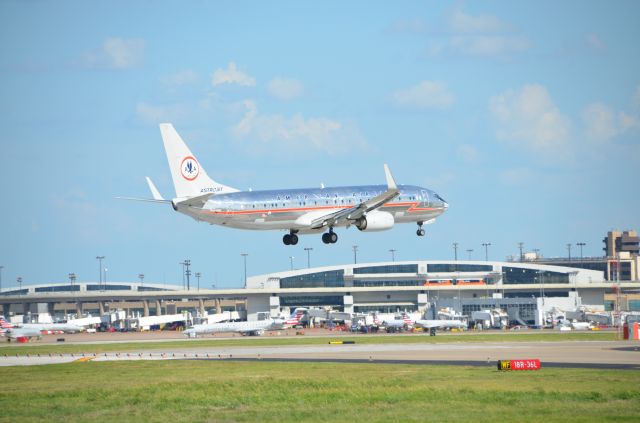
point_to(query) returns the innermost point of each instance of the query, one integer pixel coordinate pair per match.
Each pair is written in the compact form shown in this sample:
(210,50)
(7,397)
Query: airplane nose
(445,204)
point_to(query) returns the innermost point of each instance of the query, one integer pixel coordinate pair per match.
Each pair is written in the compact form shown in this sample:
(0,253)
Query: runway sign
(519,364)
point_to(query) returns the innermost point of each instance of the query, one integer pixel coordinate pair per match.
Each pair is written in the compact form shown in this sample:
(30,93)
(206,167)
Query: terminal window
(392,268)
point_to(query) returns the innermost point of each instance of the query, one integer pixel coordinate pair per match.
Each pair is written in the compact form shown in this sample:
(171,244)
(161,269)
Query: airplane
(299,211)
(252,328)
(24,331)
(4,325)
(22,334)
(294,319)
(433,325)
(396,323)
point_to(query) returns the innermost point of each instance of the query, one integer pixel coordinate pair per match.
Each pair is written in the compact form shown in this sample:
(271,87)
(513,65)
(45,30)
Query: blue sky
(524,115)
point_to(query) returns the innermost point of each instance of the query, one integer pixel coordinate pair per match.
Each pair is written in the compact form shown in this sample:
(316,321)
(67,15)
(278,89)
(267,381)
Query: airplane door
(425,197)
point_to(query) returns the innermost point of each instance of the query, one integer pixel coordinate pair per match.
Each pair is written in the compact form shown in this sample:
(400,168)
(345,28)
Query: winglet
(391,183)
(154,191)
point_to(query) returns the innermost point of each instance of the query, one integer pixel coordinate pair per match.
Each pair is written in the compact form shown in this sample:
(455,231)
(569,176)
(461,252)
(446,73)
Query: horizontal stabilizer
(146,200)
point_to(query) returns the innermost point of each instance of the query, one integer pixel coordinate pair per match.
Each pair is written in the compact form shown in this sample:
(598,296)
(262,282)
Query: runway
(579,354)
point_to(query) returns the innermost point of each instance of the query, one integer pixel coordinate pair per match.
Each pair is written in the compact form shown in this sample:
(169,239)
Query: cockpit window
(440,198)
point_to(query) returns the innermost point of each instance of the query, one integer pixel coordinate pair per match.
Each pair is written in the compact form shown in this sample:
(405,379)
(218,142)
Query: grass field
(198,391)
(34,348)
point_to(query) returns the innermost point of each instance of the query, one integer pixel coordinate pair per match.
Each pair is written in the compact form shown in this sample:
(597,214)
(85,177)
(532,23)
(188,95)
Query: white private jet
(252,328)
(298,211)
(433,325)
(22,332)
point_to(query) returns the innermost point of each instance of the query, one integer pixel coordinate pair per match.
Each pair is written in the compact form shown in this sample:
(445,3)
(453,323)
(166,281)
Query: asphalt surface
(577,354)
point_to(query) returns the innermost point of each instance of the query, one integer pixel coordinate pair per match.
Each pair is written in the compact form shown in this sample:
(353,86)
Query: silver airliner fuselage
(282,209)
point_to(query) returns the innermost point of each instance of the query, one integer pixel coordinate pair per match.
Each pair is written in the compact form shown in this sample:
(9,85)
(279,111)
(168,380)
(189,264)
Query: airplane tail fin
(189,178)
(294,318)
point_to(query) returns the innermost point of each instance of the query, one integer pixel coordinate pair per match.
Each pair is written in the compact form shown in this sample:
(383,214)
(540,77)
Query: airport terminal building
(525,289)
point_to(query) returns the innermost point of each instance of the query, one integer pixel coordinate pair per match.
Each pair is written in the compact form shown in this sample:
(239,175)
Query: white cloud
(530,118)
(489,45)
(277,134)
(517,176)
(412,26)
(425,95)
(477,35)
(117,53)
(462,22)
(468,153)
(627,122)
(602,124)
(285,88)
(232,75)
(595,42)
(157,114)
(181,78)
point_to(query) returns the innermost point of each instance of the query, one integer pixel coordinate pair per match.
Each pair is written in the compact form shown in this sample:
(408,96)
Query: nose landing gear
(420,231)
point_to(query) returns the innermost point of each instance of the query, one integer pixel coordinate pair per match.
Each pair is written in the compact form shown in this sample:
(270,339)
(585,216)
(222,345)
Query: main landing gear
(420,231)
(290,238)
(330,237)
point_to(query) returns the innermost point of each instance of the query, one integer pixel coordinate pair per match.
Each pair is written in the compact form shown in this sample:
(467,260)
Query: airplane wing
(431,324)
(428,324)
(356,212)
(251,332)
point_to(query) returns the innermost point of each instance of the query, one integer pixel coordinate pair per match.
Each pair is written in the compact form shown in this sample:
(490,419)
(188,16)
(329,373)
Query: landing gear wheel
(420,231)
(293,239)
(287,239)
(330,237)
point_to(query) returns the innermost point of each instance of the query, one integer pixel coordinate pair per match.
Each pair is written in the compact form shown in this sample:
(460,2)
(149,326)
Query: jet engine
(375,221)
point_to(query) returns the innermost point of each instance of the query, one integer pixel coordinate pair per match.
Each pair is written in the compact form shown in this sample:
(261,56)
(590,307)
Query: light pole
(355,254)
(1,267)
(537,251)
(72,278)
(244,256)
(141,277)
(187,263)
(182,263)
(470,251)
(520,245)
(197,275)
(100,258)
(19,280)
(455,251)
(486,250)
(308,250)
(393,254)
(569,250)
(291,262)
(581,244)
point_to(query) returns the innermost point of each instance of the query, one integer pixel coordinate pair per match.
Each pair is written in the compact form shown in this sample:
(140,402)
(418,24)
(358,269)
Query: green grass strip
(201,391)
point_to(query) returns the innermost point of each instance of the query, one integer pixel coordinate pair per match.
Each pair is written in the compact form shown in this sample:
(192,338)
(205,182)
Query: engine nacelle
(375,221)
